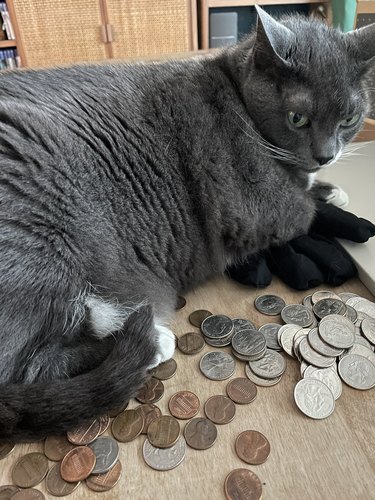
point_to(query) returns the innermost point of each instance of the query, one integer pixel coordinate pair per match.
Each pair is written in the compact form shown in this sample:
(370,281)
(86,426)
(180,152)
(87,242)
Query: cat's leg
(330,193)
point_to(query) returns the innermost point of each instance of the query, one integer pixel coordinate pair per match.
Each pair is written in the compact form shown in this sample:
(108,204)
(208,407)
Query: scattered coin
(243,324)
(163,432)
(272,365)
(269,304)
(217,326)
(362,351)
(263,382)
(184,405)
(127,426)
(200,433)
(368,329)
(7,491)
(242,484)
(327,376)
(357,372)
(286,336)
(217,365)
(28,494)
(351,313)
(320,346)
(30,470)
(345,296)
(85,433)
(313,357)
(148,412)
(219,342)
(77,464)
(323,294)
(270,331)
(314,398)
(324,307)
(337,331)
(56,485)
(116,411)
(362,305)
(220,409)
(242,390)
(297,314)
(249,343)
(191,343)
(307,301)
(56,447)
(252,447)
(106,451)
(196,318)
(104,422)
(6,448)
(164,458)
(165,370)
(106,481)
(151,392)
(181,302)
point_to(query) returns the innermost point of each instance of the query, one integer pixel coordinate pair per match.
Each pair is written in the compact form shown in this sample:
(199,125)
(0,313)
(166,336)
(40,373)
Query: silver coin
(337,331)
(357,372)
(248,342)
(320,346)
(217,326)
(368,329)
(363,306)
(304,367)
(314,398)
(106,451)
(351,313)
(219,342)
(269,304)
(288,326)
(362,351)
(272,365)
(248,358)
(296,349)
(217,365)
(323,294)
(269,331)
(287,338)
(307,302)
(345,296)
(243,324)
(263,382)
(298,315)
(324,307)
(164,458)
(327,376)
(313,357)
(363,341)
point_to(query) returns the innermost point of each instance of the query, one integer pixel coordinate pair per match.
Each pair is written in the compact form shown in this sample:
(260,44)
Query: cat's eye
(350,120)
(298,120)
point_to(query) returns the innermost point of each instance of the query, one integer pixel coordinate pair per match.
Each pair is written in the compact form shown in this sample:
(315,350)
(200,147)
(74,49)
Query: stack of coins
(218,330)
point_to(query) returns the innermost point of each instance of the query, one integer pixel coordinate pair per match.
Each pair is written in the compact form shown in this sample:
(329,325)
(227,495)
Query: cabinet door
(60,31)
(150,28)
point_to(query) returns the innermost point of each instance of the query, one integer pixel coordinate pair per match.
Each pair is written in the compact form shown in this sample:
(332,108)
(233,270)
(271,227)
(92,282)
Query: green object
(344,14)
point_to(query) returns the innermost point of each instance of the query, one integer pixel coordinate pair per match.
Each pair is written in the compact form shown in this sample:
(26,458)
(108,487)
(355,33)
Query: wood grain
(332,458)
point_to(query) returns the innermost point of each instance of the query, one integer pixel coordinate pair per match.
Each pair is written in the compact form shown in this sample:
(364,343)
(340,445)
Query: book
(7,25)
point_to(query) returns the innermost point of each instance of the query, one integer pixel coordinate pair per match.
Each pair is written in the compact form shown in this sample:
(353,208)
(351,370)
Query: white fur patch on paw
(166,345)
(338,197)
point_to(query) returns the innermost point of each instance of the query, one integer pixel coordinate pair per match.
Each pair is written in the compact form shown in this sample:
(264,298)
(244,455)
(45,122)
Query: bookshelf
(16,43)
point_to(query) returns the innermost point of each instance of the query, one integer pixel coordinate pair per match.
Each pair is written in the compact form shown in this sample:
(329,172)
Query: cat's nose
(322,160)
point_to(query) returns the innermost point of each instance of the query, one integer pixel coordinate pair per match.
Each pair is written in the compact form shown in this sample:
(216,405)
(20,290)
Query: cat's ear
(362,42)
(273,42)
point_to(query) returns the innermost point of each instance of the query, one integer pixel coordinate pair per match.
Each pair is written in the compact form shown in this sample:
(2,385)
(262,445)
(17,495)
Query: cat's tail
(32,411)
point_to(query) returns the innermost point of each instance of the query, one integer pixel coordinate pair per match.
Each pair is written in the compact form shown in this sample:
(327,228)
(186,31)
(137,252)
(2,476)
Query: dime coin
(242,484)
(6,448)
(314,398)
(368,329)
(29,494)
(243,324)
(164,458)
(180,303)
(242,390)
(200,433)
(56,447)
(324,307)
(165,370)
(191,343)
(163,432)
(127,426)
(323,294)
(198,316)
(270,331)
(104,422)
(327,376)
(7,491)
(337,331)
(151,392)
(357,372)
(106,481)
(106,452)
(148,412)
(217,326)
(184,405)
(217,365)
(56,485)
(220,409)
(320,346)
(313,357)
(272,365)
(263,382)
(30,470)
(249,342)
(297,314)
(269,304)
(252,447)
(84,433)
(77,464)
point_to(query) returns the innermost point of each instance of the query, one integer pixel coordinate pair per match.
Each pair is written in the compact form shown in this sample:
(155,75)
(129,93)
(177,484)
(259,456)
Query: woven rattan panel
(150,27)
(60,31)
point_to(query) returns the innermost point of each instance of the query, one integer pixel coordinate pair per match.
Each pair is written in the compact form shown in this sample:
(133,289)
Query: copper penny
(242,390)
(200,433)
(56,485)
(165,370)
(119,409)
(7,491)
(242,484)
(127,426)
(151,392)
(181,302)
(29,470)
(184,405)
(191,343)
(149,412)
(77,464)
(104,422)
(6,448)
(163,432)
(84,433)
(105,482)
(29,494)
(252,447)
(196,318)
(220,409)
(56,447)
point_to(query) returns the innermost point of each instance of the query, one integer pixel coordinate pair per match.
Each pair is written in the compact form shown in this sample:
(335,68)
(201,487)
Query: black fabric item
(254,271)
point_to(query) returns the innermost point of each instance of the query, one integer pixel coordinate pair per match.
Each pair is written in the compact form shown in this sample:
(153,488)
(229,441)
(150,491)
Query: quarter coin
(106,451)
(106,481)
(242,484)
(269,304)
(217,365)
(323,294)
(357,372)
(324,307)
(272,365)
(327,376)
(314,398)
(217,326)
(200,433)
(243,324)
(30,470)
(270,331)
(368,329)
(320,346)
(337,331)
(56,485)
(220,409)
(164,458)
(77,464)
(252,447)
(242,390)
(184,405)
(263,382)
(313,357)
(297,314)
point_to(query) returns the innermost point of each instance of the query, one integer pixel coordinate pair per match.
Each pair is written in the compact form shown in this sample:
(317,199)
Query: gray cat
(122,186)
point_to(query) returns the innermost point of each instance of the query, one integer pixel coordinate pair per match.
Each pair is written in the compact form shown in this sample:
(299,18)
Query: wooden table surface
(310,459)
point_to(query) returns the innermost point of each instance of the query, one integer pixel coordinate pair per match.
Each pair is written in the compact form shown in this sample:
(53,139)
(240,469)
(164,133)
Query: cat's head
(304,87)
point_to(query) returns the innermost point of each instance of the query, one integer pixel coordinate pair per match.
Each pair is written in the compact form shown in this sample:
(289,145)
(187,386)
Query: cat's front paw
(166,344)
(330,193)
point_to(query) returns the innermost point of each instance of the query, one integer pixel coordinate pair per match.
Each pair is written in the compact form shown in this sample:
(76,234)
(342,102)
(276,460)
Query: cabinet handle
(109,33)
